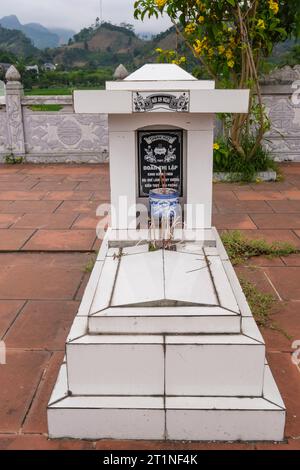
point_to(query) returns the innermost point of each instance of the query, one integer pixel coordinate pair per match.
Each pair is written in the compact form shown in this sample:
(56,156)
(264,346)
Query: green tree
(229,39)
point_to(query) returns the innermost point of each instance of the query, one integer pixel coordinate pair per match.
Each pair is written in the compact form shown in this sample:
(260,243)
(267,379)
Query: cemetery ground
(47,246)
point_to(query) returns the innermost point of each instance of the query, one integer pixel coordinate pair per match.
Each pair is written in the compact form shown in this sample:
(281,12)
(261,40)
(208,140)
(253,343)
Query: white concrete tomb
(164,345)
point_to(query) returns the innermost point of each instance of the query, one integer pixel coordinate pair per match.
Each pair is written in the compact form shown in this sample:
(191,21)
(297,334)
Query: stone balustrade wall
(63,136)
(281,95)
(49,136)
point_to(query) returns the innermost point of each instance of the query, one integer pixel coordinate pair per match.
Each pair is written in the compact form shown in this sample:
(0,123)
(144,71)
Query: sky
(75,14)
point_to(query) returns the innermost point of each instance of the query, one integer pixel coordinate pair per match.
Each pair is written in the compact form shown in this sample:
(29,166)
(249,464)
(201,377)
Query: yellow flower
(200,5)
(274,6)
(216,146)
(160,3)
(201,19)
(221,49)
(261,24)
(182,60)
(190,28)
(198,47)
(230,63)
(158,50)
(229,54)
(210,52)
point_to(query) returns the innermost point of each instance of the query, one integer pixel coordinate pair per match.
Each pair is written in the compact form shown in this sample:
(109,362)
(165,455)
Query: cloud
(75,14)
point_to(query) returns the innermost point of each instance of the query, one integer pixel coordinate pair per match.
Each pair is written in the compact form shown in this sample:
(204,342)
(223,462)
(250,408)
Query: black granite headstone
(161,149)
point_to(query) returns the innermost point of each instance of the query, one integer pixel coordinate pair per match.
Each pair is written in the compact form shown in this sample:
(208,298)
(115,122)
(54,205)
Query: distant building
(32,68)
(49,67)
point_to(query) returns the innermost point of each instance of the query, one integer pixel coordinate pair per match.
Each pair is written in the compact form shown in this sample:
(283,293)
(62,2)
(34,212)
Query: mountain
(39,35)
(14,41)
(101,45)
(64,34)
(110,45)
(10,22)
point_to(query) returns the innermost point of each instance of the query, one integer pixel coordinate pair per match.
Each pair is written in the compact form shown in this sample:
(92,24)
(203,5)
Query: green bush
(226,159)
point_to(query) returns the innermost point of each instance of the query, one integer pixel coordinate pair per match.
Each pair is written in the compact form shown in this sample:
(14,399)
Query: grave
(164,345)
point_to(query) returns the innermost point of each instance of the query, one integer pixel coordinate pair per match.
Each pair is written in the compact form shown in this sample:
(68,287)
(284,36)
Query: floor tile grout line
(36,350)
(15,319)
(35,392)
(35,184)
(75,220)
(59,205)
(79,286)
(252,220)
(53,252)
(41,300)
(30,237)
(269,205)
(273,287)
(294,230)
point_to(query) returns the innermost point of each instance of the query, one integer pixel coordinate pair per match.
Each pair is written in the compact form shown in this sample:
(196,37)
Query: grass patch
(46,107)
(240,249)
(58,91)
(90,265)
(49,91)
(261,304)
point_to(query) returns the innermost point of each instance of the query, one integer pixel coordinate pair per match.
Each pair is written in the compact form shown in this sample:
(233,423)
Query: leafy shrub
(226,159)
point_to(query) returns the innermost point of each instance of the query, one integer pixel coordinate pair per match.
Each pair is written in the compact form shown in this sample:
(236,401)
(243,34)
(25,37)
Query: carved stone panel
(3,134)
(284,116)
(63,133)
(283,139)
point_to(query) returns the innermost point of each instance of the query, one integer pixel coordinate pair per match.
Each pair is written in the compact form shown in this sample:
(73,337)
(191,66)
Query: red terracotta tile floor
(47,237)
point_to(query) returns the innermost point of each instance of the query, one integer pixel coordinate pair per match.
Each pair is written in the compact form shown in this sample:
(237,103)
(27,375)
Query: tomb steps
(193,418)
(164,368)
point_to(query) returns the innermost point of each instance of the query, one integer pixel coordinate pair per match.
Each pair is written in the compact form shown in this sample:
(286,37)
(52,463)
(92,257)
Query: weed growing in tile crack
(12,159)
(262,306)
(260,303)
(90,265)
(240,249)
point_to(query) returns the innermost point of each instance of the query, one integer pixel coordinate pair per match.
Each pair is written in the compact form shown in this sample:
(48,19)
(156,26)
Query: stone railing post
(15,125)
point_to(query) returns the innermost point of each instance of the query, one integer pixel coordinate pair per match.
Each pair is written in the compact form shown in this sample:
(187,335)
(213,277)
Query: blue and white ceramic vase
(164,203)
